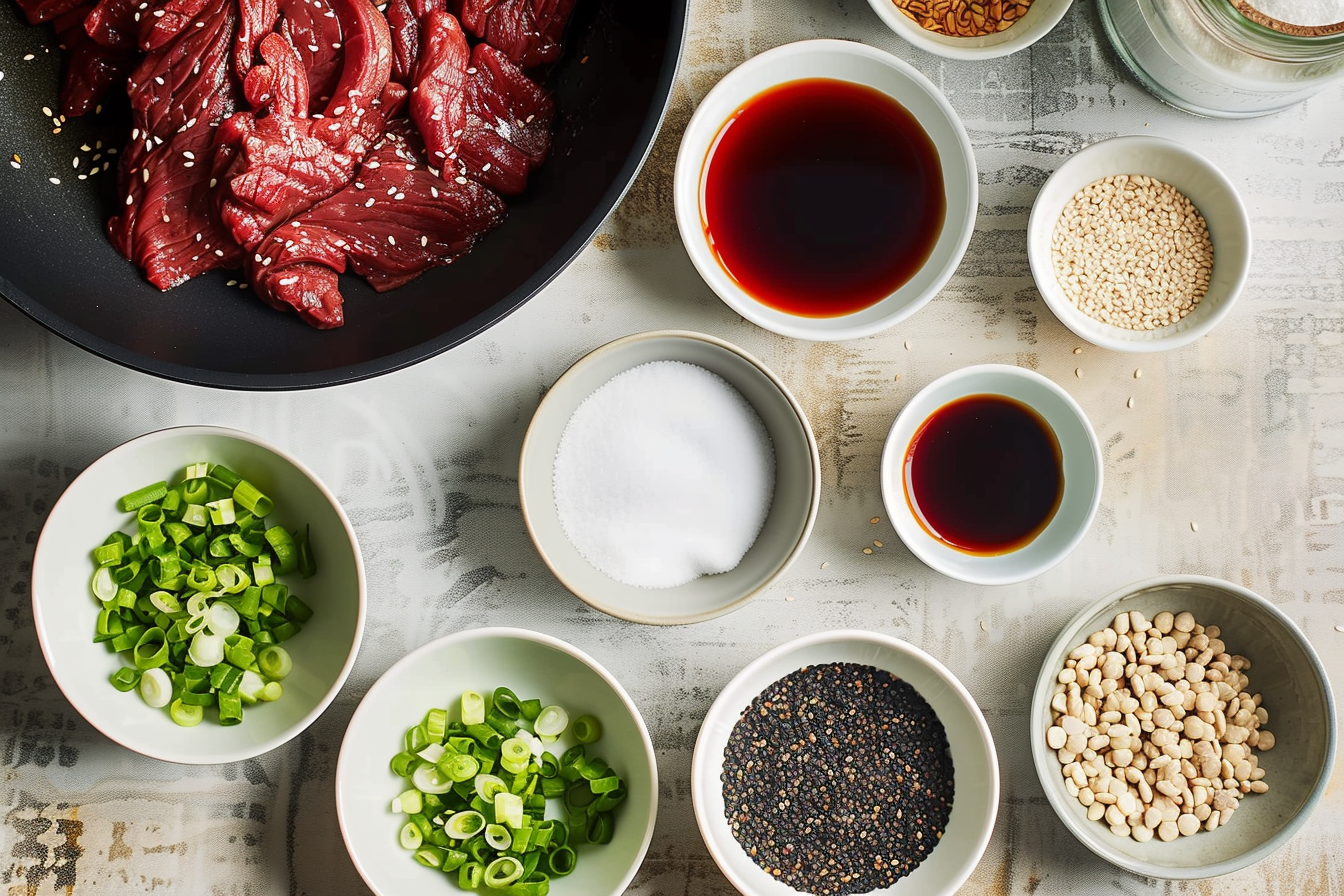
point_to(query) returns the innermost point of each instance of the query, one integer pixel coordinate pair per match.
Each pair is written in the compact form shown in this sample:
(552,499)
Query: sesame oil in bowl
(821,197)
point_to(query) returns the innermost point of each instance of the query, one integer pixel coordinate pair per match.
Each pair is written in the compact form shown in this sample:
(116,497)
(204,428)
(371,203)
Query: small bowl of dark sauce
(991,474)
(825,190)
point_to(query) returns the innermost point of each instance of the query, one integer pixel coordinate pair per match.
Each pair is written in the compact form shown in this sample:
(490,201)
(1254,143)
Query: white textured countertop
(1230,464)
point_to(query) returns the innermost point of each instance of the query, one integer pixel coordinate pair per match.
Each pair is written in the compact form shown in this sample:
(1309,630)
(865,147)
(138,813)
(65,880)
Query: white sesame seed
(187,164)
(29,57)
(167,220)
(83,177)
(213,181)
(399,196)
(460,180)
(219,252)
(55,180)
(266,262)
(485,168)
(46,110)
(14,164)
(198,236)
(369,204)
(391,240)
(158,79)
(130,199)
(232,283)
(424,240)
(288,281)
(433,191)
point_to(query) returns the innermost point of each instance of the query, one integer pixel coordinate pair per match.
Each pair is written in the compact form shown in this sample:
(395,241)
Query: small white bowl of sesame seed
(971,29)
(1139,244)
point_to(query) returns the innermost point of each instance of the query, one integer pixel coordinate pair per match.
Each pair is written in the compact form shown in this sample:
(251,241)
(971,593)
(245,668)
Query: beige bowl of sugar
(669,477)
(1139,244)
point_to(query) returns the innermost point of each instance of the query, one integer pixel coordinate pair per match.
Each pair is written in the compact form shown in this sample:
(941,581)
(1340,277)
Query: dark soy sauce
(822,197)
(984,474)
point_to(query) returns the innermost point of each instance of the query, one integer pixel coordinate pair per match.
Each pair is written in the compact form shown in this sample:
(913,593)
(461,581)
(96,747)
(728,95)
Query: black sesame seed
(837,779)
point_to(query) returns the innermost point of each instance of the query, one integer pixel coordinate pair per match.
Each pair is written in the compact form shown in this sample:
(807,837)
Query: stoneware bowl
(533,665)
(1202,183)
(1040,17)
(65,610)
(974,806)
(859,64)
(1284,669)
(1080,457)
(793,509)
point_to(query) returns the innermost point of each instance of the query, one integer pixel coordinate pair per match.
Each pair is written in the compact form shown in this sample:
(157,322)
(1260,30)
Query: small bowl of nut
(971,29)
(1183,728)
(1139,244)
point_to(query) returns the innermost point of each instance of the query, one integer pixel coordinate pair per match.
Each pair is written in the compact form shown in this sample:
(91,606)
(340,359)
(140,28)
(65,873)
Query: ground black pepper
(837,779)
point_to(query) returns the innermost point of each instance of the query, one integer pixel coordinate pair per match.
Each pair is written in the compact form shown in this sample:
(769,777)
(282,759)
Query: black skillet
(611,88)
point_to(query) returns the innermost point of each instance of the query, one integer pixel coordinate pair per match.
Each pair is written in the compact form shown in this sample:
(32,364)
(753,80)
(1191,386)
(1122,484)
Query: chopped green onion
(473,709)
(586,729)
(502,872)
(488,785)
(509,809)
(465,824)
(142,496)
(560,861)
(155,687)
(275,662)
(498,836)
(185,715)
(230,708)
(410,802)
(410,836)
(428,779)
(206,649)
(470,875)
(250,497)
(125,679)
(551,721)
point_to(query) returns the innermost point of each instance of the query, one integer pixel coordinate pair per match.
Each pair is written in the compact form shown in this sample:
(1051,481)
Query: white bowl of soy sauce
(825,190)
(991,474)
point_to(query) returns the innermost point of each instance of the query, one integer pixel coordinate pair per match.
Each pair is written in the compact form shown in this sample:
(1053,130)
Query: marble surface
(1230,463)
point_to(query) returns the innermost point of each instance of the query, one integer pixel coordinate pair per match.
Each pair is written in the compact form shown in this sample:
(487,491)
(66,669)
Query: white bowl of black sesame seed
(1139,244)
(845,762)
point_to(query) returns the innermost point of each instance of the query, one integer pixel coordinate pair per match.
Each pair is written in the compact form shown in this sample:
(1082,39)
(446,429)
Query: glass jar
(1210,58)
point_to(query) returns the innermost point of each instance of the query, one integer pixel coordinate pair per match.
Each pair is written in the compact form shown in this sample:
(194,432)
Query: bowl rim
(704,766)
(530,439)
(205,757)
(973,48)
(1040,224)
(690,165)
(559,645)
(891,477)
(1042,756)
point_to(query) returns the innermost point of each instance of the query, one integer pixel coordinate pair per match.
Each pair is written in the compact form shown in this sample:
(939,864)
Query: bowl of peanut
(971,29)
(1183,728)
(1139,244)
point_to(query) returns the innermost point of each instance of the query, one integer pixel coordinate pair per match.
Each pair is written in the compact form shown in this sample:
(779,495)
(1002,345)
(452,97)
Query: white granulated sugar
(664,474)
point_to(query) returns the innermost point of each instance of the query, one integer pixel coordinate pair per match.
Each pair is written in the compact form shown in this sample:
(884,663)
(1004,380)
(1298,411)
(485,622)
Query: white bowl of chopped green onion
(198,595)
(497,759)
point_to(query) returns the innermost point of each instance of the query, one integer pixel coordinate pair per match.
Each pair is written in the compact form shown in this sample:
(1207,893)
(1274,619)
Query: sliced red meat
(395,221)
(527,31)
(280,160)
(178,94)
(508,123)
(112,24)
(439,94)
(405,28)
(90,67)
(161,21)
(256,19)
(37,11)
(317,33)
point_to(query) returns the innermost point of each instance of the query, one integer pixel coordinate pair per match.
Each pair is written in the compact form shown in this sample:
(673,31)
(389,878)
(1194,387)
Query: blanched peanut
(1155,729)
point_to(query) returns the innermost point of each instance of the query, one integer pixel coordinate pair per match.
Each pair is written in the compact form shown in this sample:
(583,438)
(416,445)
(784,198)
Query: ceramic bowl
(1296,694)
(1080,459)
(1202,183)
(858,64)
(1039,18)
(65,610)
(792,512)
(533,665)
(976,772)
